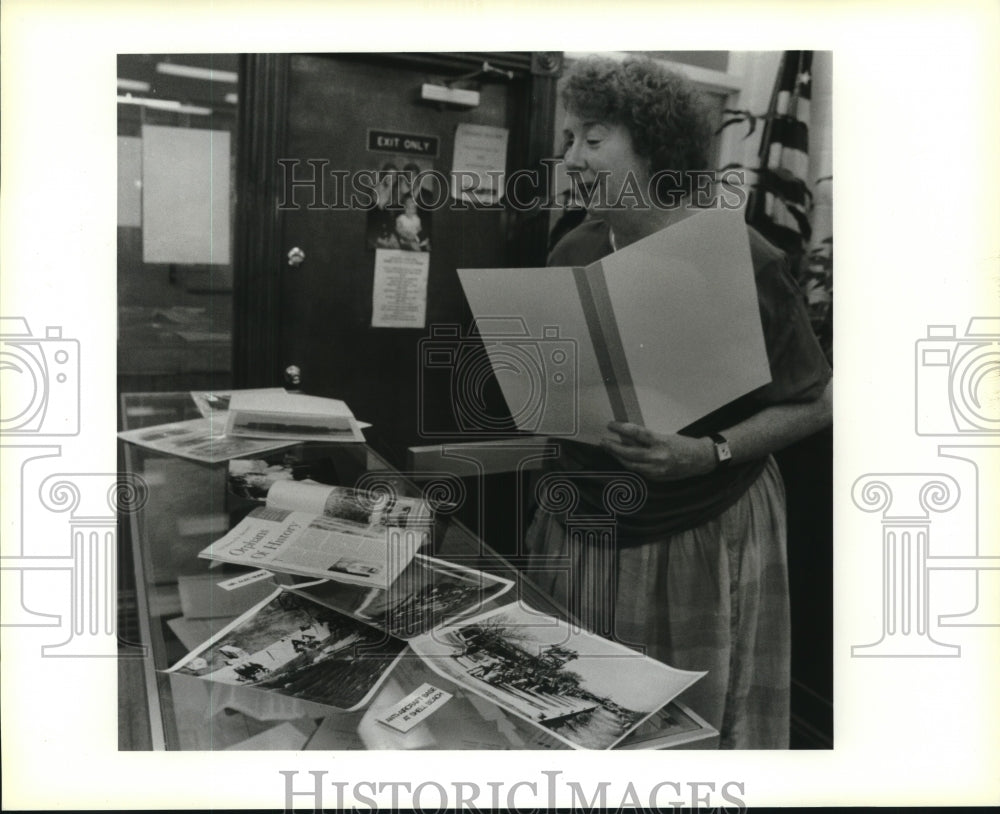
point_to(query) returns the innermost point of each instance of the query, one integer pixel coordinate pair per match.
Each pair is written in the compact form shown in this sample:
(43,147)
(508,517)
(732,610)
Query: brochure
(328,532)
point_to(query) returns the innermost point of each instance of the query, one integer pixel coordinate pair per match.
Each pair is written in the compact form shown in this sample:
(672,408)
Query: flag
(782,200)
(781,206)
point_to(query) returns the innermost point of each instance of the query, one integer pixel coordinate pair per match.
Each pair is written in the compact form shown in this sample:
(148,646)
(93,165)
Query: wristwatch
(723,455)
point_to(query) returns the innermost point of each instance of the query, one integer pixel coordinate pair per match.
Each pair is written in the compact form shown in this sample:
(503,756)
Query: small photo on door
(404,197)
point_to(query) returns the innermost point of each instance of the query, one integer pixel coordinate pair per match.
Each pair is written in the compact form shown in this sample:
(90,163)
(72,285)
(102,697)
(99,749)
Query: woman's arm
(671,457)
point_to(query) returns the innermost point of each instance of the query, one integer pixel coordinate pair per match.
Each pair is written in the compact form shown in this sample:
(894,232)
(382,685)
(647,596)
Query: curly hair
(662,111)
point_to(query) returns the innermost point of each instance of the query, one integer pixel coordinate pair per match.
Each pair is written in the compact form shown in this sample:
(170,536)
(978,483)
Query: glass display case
(180,605)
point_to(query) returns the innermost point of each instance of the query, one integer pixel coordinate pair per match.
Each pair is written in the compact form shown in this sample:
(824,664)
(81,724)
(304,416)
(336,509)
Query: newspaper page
(329,532)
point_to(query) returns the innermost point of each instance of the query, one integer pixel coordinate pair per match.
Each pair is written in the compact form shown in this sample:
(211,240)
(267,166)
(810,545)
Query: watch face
(722,452)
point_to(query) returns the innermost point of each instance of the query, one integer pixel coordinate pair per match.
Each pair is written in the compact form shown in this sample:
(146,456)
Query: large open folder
(663,331)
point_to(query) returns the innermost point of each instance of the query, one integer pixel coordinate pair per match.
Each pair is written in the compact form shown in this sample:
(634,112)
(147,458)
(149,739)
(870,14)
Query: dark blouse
(799,373)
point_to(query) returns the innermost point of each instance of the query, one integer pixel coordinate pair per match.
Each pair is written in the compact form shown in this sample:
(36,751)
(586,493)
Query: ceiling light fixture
(133,84)
(165,104)
(191,72)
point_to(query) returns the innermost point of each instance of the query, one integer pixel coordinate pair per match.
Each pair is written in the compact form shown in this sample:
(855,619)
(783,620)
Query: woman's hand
(671,457)
(660,457)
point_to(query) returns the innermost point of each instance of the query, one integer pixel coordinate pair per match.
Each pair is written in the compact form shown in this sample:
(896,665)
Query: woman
(409,228)
(698,577)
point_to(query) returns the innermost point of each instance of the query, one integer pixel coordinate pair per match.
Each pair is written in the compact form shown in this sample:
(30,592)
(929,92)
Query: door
(324,114)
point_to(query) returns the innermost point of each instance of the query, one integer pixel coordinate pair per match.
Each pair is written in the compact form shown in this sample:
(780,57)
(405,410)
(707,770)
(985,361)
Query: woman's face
(601,158)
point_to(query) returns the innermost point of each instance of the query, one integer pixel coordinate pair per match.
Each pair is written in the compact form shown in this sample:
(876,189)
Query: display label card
(244,579)
(418,705)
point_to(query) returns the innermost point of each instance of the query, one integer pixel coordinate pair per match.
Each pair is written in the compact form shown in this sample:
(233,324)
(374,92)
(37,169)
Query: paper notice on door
(399,298)
(479,163)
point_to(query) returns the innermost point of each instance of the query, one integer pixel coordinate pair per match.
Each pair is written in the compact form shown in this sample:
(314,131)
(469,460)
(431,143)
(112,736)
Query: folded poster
(660,333)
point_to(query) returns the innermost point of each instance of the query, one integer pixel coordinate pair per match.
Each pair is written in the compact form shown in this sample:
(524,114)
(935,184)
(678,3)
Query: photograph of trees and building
(296,647)
(428,593)
(587,691)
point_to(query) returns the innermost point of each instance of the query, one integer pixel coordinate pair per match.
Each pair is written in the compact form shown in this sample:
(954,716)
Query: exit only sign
(387,141)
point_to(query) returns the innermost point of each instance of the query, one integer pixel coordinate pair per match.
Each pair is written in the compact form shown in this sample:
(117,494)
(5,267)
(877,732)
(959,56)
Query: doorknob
(293,378)
(296,257)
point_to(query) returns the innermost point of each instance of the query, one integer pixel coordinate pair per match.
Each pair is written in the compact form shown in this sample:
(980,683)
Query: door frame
(262,138)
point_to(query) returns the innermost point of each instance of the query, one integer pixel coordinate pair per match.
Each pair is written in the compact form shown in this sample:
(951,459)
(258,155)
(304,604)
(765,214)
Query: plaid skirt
(713,598)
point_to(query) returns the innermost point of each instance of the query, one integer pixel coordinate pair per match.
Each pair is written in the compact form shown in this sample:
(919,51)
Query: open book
(660,333)
(329,532)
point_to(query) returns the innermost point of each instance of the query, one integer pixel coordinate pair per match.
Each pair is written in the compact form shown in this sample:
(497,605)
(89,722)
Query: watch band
(723,454)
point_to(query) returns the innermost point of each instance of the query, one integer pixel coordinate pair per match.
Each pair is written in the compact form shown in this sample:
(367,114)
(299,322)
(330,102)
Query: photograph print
(400,218)
(587,691)
(295,647)
(428,593)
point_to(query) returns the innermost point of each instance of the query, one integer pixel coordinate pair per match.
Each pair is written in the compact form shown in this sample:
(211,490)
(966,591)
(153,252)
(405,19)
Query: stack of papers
(275,413)
(238,423)
(200,439)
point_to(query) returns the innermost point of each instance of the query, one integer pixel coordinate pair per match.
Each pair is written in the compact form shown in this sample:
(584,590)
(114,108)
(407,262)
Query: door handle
(293,378)
(296,257)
